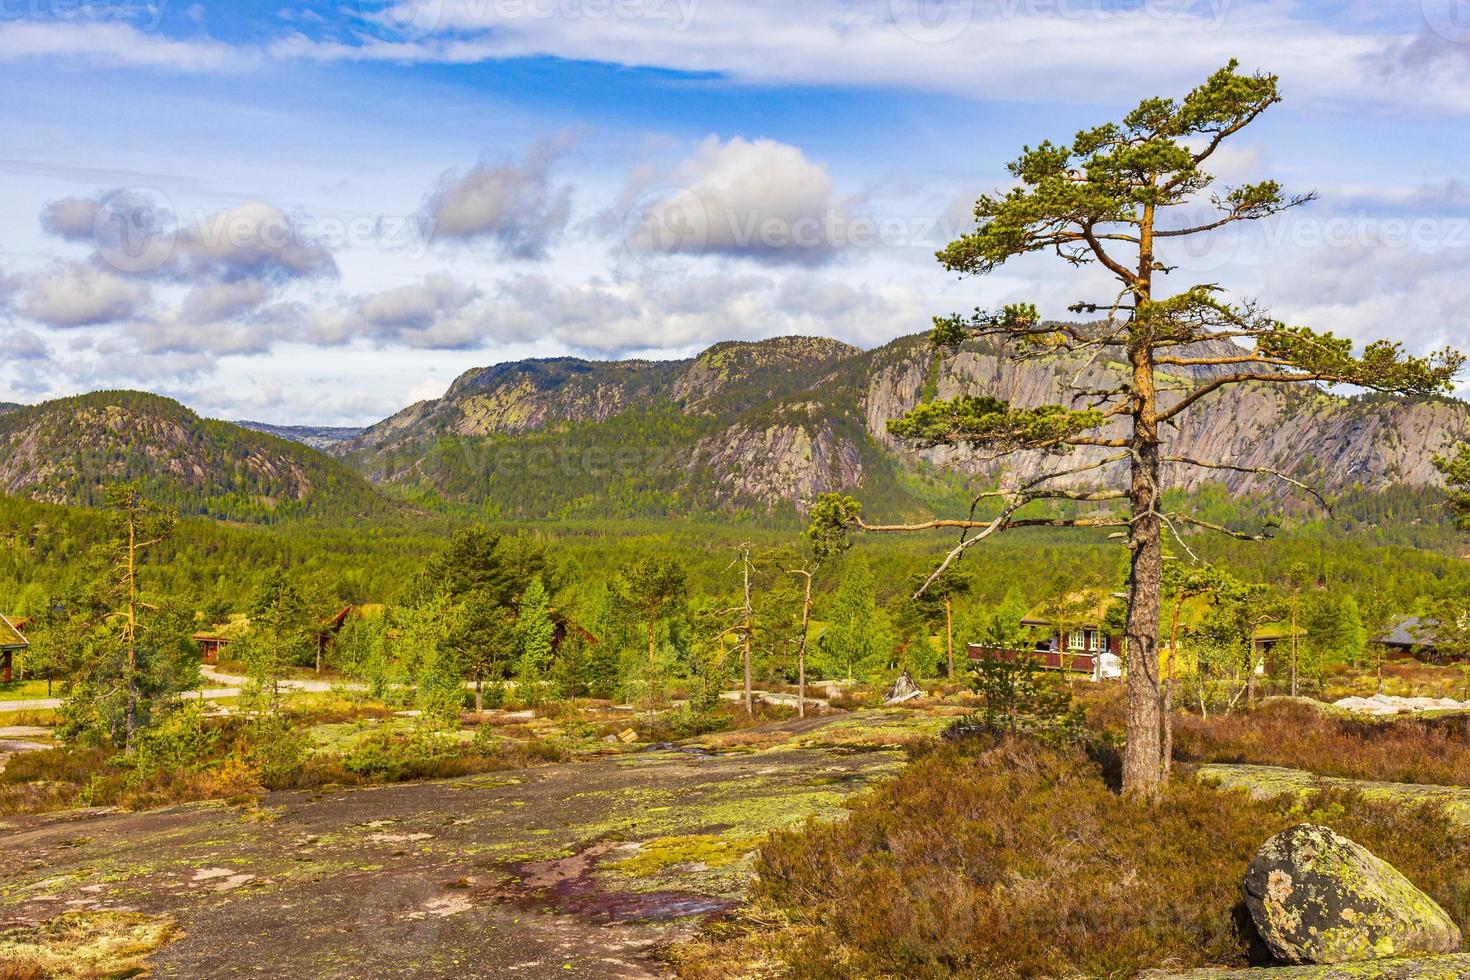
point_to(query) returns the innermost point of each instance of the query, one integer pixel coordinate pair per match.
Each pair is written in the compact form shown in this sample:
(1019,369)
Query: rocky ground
(583,869)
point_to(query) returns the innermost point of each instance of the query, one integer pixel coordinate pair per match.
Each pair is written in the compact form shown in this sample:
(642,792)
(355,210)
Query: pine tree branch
(1259,470)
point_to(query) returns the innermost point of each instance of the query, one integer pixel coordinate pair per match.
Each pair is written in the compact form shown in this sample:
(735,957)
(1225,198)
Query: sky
(319,213)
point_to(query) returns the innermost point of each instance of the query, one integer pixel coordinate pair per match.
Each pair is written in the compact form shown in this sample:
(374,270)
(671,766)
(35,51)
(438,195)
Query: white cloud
(605,317)
(109,44)
(75,294)
(71,218)
(515,205)
(1009,49)
(756,198)
(213,301)
(23,345)
(420,305)
(251,240)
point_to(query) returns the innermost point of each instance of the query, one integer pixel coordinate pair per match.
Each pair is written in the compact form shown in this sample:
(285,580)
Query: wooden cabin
(210,645)
(1083,647)
(1086,647)
(1412,636)
(12,641)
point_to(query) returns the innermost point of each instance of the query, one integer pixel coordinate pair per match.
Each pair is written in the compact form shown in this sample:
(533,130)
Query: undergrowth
(1002,857)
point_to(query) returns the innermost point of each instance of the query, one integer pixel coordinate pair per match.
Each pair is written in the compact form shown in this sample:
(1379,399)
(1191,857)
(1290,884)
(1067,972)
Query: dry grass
(83,946)
(1299,736)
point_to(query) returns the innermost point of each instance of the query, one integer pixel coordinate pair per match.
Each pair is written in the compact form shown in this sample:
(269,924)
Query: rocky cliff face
(781,421)
(1334,441)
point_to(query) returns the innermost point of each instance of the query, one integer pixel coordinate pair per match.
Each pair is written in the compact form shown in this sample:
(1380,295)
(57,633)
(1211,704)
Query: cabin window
(1077,640)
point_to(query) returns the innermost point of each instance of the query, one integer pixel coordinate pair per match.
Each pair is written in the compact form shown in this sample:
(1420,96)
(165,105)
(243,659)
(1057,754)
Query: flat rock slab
(574,870)
(1456,967)
(1269,781)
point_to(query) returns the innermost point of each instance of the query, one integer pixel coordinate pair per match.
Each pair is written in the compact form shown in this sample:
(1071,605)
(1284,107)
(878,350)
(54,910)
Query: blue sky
(323,212)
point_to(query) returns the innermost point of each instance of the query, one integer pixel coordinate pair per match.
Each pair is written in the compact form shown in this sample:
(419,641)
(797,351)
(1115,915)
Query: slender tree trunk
(1166,707)
(652,662)
(749,693)
(806,618)
(130,719)
(949,635)
(1293,646)
(479,691)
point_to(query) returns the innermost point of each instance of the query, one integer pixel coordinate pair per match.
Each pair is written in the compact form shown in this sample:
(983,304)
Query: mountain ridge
(742,428)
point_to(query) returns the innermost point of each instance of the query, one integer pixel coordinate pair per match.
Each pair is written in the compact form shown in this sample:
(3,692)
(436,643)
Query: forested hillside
(68,450)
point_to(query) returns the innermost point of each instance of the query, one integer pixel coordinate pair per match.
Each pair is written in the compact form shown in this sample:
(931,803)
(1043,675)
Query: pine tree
(535,631)
(1119,196)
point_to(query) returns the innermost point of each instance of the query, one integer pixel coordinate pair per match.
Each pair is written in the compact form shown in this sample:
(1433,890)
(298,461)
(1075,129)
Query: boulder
(1317,897)
(903,689)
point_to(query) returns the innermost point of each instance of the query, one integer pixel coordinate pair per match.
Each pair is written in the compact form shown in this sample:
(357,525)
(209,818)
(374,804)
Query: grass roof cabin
(12,641)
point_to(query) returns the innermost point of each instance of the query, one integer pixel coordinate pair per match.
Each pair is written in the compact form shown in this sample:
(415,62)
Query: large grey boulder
(1317,897)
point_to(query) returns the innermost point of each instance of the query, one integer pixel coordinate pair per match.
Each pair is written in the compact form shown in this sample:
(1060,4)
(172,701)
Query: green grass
(26,691)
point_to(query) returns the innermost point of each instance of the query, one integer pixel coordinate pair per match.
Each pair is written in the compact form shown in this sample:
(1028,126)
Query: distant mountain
(68,450)
(769,425)
(9,407)
(316,436)
(743,429)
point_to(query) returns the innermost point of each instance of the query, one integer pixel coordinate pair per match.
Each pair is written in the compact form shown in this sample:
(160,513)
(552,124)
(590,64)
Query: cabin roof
(10,637)
(1411,631)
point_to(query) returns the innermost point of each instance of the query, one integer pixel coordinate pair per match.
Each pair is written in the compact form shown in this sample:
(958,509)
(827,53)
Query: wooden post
(949,634)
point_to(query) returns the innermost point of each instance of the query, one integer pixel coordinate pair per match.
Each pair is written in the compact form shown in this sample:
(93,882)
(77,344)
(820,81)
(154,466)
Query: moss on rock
(1317,897)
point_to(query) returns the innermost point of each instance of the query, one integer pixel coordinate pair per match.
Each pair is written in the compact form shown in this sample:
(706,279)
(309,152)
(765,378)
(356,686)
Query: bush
(1019,695)
(1005,857)
(391,756)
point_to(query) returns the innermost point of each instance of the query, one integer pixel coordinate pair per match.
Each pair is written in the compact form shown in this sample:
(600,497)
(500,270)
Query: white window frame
(1077,641)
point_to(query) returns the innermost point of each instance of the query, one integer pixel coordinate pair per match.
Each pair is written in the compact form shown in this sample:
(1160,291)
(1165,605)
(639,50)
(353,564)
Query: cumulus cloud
(210,302)
(759,198)
(515,205)
(252,240)
(23,345)
(76,294)
(71,218)
(420,305)
(138,232)
(613,317)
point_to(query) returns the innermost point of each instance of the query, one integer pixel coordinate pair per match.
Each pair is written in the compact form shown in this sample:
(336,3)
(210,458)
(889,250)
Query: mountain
(315,436)
(9,407)
(769,425)
(68,450)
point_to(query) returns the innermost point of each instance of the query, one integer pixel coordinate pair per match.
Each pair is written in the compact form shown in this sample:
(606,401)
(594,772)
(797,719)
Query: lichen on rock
(1317,897)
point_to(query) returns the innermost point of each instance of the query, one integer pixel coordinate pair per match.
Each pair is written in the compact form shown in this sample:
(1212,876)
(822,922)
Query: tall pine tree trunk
(1142,754)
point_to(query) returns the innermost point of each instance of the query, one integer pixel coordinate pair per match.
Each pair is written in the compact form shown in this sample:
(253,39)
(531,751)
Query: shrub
(392,756)
(1005,857)
(1019,695)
